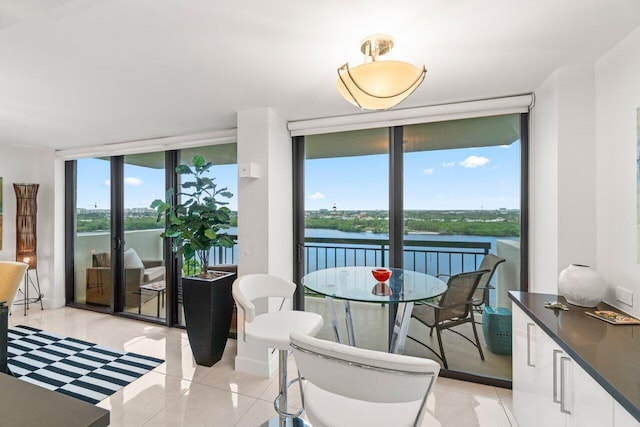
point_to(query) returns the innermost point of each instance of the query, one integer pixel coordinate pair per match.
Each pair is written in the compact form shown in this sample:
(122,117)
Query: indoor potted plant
(195,222)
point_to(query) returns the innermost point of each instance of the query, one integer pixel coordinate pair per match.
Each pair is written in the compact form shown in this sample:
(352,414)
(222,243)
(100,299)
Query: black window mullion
(298,220)
(70,177)
(117,234)
(396,210)
(396,196)
(172,263)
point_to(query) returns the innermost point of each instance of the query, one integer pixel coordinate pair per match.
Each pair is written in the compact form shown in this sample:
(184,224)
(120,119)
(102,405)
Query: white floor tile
(181,393)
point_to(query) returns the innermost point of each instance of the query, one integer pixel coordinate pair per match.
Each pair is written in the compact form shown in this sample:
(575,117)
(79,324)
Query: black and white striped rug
(77,368)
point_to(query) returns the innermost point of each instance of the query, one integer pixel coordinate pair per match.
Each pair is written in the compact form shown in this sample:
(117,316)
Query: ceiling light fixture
(378,85)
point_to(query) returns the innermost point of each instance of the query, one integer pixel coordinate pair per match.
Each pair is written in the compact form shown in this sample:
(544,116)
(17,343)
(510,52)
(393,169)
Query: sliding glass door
(118,262)
(92,232)
(144,264)
(462,201)
(435,198)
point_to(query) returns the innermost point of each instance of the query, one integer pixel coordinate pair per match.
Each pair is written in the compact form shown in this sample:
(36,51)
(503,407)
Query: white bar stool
(272,330)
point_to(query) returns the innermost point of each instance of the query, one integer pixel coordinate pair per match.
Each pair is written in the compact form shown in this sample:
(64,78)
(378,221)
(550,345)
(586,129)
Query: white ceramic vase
(581,285)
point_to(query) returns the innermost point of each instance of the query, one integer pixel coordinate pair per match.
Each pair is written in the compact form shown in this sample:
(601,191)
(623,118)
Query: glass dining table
(400,291)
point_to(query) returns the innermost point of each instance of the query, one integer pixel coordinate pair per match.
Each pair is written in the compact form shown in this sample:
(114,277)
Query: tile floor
(180,393)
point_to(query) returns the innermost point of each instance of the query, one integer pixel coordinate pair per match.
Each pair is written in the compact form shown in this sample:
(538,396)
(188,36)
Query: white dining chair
(349,386)
(272,329)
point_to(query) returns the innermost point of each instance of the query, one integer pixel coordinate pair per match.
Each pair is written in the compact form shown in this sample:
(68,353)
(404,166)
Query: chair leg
(444,358)
(431,331)
(475,333)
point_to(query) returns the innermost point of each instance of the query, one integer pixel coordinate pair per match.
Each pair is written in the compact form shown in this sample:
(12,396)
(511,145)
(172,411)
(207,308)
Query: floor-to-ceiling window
(92,232)
(462,191)
(225,174)
(144,264)
(119,261)
(346,198)
(447,193)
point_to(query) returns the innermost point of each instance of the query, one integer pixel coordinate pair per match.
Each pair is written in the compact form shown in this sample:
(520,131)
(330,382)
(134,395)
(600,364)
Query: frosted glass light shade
(379,85)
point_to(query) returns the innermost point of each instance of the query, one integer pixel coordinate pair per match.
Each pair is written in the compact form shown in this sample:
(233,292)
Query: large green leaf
(194,222)
(198,160)
(184,169)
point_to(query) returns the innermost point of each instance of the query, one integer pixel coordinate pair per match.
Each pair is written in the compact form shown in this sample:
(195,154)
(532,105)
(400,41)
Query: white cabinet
(549,387)
(622,418)
(525,389)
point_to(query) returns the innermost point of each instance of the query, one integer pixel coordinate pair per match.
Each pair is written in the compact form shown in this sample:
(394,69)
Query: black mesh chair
(454,308)
(490,263)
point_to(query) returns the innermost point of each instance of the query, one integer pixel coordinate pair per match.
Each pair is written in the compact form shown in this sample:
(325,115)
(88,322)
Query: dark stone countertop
(609,353)
(26,404)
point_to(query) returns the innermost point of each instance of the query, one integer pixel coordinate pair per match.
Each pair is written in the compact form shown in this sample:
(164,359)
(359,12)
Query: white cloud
(317,196)
(107,183)
(133,181)
(428,171)
(448,164)
(474,161)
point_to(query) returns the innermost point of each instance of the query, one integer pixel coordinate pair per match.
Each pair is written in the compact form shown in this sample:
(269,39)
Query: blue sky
(470,178)
(142,185)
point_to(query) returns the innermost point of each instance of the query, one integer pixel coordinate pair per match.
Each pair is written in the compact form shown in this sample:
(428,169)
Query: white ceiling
(86,72)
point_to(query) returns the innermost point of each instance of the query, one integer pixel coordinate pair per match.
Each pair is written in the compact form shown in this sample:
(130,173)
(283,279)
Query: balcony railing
(433,257)
(426,256)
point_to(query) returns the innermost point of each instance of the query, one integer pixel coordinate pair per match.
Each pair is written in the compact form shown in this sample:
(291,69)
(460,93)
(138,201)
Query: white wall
(563,176)
(37,166)
(265,216)
(617,76)
(543,189)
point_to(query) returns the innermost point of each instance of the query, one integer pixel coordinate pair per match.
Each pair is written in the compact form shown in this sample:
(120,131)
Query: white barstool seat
(272,329)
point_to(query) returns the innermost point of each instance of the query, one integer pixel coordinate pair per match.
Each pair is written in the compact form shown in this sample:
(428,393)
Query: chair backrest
(365,375)
(251,287)
(459,294)
(11,275)
(490,262)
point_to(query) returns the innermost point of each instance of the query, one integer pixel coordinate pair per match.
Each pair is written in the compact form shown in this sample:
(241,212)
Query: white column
(265,219)
(563,177)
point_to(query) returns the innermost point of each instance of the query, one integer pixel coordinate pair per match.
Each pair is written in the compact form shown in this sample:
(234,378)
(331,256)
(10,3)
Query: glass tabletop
(358,284)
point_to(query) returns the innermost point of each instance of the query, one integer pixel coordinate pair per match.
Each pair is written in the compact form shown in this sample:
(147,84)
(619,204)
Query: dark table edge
(610,388)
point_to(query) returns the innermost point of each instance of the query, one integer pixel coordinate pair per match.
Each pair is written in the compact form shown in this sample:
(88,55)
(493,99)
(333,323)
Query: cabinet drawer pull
(529,363)
(563,387)
(555,376)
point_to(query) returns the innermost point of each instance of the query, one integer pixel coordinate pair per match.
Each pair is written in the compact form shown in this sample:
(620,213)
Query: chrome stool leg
(284,418)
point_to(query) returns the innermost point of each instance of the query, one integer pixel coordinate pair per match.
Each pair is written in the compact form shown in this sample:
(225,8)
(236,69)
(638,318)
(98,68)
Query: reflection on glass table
(401,290)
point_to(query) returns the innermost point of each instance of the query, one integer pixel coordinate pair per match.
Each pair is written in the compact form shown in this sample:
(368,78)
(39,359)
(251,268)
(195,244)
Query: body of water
(426,259)
(435,260)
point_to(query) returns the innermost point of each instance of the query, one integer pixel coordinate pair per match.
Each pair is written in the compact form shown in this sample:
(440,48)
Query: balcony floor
(370,324)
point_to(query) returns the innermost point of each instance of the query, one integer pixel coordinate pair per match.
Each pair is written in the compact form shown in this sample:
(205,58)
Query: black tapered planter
(208,308)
